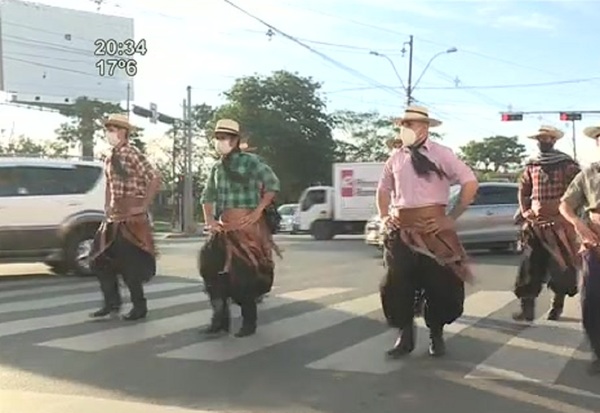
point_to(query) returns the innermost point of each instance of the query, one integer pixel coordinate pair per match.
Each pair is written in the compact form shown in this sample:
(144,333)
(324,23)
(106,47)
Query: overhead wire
(323,56)
(422,39)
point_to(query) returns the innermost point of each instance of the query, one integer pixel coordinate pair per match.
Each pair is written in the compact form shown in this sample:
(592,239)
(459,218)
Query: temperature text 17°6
(108,67)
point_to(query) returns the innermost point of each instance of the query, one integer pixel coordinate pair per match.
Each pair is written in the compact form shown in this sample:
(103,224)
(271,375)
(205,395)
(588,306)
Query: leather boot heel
(558,304)
(527,312)
(219,322)
(405,344)
(437,345)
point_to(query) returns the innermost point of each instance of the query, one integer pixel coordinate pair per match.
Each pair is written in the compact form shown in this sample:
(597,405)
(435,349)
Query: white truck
(325,211)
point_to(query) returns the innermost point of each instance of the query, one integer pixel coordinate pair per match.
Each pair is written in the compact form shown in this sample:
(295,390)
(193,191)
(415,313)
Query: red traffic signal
(507,117)
(570,116)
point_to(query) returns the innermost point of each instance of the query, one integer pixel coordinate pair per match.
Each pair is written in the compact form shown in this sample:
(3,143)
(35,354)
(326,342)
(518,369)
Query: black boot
(437,345)
(527,312)
(405,344)
(220,321)
(107,310)
(249,317)
(557,307)
(138,312)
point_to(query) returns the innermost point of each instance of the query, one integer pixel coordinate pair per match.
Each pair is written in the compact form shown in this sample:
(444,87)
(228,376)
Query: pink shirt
(409,190)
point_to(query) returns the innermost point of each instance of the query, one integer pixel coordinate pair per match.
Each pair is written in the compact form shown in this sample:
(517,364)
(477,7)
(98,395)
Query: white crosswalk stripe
(106,339)
(55,316)
(539,353)
(361,358)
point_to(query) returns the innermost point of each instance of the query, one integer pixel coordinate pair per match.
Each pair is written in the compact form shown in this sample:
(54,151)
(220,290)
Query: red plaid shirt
(538,185)
(139,173)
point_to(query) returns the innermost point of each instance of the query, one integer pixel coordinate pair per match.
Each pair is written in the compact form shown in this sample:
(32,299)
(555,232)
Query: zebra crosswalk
(55,317)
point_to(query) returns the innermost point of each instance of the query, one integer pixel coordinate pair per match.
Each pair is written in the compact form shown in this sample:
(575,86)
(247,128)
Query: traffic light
(507,117)
(160,117)
(166,119)
(143,112)
(570,116)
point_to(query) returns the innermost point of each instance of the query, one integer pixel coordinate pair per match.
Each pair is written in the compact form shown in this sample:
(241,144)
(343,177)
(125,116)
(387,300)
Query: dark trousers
(407,273)
(590,300)
(122,258)
(219,290)
(241,285)
(539,268)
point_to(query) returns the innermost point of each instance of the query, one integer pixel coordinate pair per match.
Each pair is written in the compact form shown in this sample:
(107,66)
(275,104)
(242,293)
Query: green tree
(85,123)
(494,153)
(366,134)
(284,116)
(23,146)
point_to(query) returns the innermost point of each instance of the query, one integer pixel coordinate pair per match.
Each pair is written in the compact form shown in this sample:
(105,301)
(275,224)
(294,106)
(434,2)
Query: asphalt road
(320,345)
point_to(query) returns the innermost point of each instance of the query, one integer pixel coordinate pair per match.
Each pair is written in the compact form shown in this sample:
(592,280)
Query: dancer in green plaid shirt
(236,262)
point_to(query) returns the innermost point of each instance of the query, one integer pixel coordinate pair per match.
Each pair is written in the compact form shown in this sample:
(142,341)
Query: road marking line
(278,332)
(131,334)
(47,289)
(36,304)
(10,328)
(33,402)
(515,395)
(539,353)
(368,356)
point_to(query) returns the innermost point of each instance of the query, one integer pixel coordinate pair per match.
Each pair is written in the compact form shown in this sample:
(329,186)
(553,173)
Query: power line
(61,68)
(332,61)
(519,85)
(392,31)
(395,51)
(477,87)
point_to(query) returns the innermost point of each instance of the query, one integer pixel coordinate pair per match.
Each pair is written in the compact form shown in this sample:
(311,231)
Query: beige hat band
(226,130)
(418,112)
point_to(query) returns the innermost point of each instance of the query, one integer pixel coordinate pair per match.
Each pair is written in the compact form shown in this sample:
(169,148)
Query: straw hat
(228,126)
(118,120)
(592,132)
(546,130)
(418,113)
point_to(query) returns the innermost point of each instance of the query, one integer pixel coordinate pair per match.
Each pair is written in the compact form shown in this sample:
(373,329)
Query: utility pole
(188,196)
(128,98)
(410,70)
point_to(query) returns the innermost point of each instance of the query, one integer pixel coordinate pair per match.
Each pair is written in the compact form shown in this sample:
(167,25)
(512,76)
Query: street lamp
(451,50)
(386,57)
(411,87)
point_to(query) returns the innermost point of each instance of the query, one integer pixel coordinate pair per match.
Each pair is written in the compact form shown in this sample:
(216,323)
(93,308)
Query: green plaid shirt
(225,194)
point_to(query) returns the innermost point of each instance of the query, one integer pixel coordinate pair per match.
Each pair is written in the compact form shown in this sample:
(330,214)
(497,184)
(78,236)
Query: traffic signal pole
(574,140)
(188,193)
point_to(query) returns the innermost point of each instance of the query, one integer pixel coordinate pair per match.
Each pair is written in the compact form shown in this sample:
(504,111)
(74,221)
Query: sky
(511,55)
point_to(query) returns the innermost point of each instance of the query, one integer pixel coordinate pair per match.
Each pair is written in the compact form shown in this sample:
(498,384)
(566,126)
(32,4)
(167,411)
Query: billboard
(52,56)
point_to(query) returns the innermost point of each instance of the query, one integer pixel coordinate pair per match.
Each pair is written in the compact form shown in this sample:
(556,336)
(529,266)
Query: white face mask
(112,138)
(407,136)
(223,146)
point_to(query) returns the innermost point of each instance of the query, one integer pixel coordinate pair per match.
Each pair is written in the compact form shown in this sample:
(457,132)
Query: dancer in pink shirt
(422,250)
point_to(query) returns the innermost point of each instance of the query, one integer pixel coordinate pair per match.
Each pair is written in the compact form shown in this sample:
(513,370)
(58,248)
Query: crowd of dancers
(426,264)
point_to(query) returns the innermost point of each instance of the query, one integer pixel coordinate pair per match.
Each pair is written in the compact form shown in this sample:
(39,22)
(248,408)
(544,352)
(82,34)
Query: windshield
(287,209)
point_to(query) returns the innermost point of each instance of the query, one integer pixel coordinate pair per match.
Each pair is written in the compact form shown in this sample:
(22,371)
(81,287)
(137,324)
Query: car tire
(323,230)
(77,249)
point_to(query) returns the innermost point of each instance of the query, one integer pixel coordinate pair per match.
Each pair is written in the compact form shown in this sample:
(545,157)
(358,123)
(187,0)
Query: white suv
(49,211)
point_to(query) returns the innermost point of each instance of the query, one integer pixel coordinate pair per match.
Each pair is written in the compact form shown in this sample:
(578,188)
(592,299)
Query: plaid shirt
(137,168)
(225,194)
(539,186)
